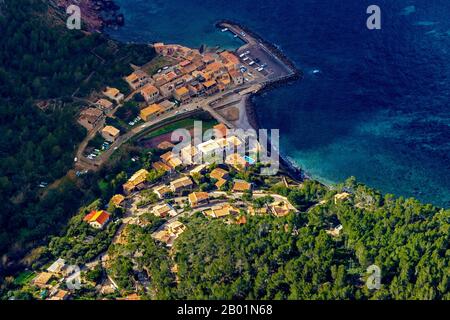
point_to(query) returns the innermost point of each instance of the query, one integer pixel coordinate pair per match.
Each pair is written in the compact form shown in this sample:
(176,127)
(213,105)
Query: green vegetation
(96,142)
(186,124)
(158,63)
(267,257)
(43,63)
(96,274)
(128,111)
(23,278)
(260,260)
(148,197)
(82,243)
(293,257)
(145,256)
(118,124)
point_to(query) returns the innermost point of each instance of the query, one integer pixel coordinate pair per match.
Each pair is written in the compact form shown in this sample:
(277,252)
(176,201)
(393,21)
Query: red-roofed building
(97,219)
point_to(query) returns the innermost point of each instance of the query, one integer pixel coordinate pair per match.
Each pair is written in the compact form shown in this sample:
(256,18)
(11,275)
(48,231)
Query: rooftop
(104,103)
(160,166)
(149,89)
(218,173)
(221,211)
(162,209)
(182,91)
(210,83)
(208,146)
(117,199)
(198,169)
(112,131)
(241,186)
(100,217)
(43,278)
(182,182)
(162,190)
(196,197)
(151,110)
(111,92)
(138,177)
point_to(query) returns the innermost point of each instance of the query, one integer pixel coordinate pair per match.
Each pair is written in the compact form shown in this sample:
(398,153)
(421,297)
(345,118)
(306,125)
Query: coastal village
(178,194)
(182,82)
(181,190)
(152,171)
(192,75)
(190,182)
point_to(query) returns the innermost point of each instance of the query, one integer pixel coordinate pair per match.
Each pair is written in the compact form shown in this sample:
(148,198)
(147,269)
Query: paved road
(279,70)
(184,111)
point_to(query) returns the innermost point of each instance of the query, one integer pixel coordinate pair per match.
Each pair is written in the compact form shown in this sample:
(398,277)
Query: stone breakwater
(272,48)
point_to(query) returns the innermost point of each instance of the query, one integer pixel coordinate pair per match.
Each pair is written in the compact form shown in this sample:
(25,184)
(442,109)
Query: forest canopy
(43,63)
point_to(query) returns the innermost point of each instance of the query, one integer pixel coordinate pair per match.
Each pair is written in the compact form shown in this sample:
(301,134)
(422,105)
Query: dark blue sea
(378,105)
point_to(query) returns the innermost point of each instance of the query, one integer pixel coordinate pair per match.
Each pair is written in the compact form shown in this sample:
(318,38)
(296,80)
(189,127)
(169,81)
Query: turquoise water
(373,104)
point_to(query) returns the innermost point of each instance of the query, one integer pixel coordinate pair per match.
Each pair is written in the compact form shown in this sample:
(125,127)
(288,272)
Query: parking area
(258,62)
(93,152)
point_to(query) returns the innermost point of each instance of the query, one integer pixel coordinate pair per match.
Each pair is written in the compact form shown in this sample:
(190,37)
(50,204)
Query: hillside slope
(43,63)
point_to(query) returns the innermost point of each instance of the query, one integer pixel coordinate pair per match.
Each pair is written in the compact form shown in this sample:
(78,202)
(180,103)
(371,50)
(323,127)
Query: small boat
(235,36)
(224,29)
(316,71)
